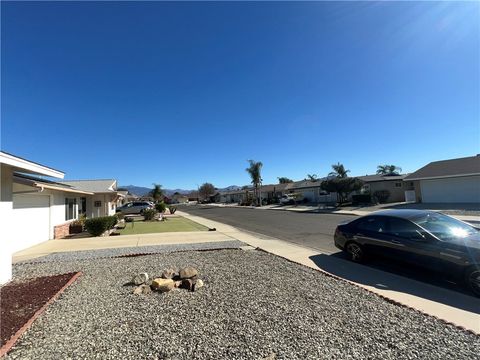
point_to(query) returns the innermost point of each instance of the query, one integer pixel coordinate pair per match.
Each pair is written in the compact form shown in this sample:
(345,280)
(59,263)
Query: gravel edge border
(11,342)
(391,301)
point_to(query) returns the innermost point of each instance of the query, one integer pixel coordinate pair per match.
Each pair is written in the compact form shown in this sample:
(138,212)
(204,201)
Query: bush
(149,214)
(97,226)
(172,209)
(381,196)
(361,199)
(161,207)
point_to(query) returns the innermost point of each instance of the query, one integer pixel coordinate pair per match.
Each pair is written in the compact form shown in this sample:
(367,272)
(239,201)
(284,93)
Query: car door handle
(395,241)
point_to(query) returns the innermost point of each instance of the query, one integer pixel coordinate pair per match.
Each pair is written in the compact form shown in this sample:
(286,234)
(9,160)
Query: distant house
(104,196)
(272,192)
(448,181)
(178,198)
(392,183)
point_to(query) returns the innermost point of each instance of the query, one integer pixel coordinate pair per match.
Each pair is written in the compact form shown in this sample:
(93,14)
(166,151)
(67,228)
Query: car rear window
(373,224)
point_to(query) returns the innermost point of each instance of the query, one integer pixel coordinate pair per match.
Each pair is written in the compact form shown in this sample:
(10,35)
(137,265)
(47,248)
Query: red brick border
(11,342)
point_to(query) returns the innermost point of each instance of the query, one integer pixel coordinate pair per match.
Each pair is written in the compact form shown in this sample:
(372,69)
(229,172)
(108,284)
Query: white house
(33,209)
(448,181)
(20,222)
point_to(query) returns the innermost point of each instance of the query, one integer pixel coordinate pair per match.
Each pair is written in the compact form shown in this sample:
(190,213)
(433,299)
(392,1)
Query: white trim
(441,177)
(29,166)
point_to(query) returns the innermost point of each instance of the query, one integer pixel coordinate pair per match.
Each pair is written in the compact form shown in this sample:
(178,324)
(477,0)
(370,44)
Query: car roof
(403,213)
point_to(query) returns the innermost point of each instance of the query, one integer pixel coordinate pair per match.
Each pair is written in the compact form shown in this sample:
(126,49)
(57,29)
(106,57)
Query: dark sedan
(424,238)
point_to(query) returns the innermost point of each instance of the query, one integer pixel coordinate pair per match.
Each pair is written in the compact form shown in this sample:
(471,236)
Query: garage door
(451,190)
(31,219)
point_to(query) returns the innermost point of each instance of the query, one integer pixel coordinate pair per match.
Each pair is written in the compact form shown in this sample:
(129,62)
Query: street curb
(391,301)
(11,342)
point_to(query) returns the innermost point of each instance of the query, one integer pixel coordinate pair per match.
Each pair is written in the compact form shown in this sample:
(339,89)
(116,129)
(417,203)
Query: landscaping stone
(163,285)
(178,284)
(168,273)
(199,284)
(188,272)
(142,289)
(140,279)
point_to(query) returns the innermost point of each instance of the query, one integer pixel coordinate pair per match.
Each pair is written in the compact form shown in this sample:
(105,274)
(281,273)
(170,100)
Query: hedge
(97,226)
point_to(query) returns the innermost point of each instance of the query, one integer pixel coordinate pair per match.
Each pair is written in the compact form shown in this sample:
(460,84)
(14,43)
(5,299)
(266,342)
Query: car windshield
(445,227)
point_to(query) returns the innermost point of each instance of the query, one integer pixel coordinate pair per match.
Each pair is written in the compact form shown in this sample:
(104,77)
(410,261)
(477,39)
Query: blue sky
(183,93)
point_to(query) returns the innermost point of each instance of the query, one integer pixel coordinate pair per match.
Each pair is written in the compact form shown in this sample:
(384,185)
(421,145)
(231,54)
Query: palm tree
(312,177)
(156,193)
(388,170)
(254,170)
(339,171)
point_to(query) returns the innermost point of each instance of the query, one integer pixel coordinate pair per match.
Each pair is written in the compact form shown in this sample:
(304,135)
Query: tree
(388,170)
(343,186)
(284,180)
(254,170)
(339,171)
(312,177)
(157,192)
(206,190)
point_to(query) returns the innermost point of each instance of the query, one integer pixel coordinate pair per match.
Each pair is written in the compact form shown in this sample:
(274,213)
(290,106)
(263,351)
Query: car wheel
(472,279)
(355,252)
(141,212)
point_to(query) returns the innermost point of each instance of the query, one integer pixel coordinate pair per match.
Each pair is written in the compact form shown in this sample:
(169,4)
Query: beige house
(394,184)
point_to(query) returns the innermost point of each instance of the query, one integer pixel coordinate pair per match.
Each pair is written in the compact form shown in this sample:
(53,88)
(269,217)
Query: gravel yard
(253,304)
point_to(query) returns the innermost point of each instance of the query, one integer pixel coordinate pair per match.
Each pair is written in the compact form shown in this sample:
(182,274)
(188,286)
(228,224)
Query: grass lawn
(171,225)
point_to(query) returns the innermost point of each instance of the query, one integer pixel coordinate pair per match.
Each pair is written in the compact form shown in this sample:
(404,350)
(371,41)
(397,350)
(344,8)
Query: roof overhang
(23,165)
(440,177)
(42,186)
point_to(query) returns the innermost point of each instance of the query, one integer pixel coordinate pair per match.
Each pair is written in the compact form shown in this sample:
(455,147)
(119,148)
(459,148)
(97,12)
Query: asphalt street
(311,230)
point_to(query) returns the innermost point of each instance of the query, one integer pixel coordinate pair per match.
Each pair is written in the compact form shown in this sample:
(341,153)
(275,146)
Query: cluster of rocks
(186,278)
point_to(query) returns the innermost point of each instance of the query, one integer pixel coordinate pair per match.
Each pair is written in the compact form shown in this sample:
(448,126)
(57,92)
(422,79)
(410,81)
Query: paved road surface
(310,230)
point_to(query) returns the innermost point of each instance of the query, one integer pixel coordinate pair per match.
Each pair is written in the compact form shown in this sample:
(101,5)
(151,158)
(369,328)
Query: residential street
(314,231)
(311,230)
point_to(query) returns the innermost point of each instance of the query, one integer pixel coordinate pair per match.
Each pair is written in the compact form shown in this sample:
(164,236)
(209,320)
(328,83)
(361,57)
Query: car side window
(402,228)
(373,224)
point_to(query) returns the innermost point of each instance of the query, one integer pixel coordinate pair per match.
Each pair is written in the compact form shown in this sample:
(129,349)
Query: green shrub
(361,199)
(149,214)
(97,226)
(172,209)
(381,196)
(161,207)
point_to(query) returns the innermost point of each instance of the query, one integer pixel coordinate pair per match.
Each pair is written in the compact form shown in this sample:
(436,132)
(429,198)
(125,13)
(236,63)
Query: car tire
(141,212)
(355,252)
(472,279)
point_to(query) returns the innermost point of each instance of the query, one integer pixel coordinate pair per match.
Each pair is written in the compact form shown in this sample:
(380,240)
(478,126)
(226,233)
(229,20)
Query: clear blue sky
(184,93)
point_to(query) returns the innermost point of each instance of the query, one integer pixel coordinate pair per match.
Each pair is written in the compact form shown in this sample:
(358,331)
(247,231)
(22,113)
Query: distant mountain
(141,191)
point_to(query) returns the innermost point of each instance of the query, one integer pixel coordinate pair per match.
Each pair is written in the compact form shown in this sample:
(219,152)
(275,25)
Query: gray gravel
(151,249)
(253,304)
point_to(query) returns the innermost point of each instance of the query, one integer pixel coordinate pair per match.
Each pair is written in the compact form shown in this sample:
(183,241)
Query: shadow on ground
(391,276)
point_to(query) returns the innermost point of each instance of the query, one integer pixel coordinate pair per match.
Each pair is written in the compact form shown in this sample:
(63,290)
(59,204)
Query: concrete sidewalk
(456,308)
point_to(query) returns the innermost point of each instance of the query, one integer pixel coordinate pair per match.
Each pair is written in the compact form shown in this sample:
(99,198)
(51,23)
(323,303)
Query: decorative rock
(178,284)
(188,284)
(199,284)
(163,285)
(140,279)
(168,274)
(188,272)
(142,289)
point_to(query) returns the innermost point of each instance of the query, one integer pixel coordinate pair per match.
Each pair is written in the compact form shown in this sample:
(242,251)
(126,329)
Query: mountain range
(141,191)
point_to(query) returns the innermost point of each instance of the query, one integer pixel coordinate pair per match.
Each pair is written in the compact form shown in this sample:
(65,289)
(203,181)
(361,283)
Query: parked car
(287,199)
(425,238)
(135,207)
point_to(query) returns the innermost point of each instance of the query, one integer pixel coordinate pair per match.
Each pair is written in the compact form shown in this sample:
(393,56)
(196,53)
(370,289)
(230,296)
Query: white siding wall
(6,229)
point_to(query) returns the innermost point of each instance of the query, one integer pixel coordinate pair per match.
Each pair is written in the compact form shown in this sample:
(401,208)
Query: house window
(398,184)
(70,208)
(97,203)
